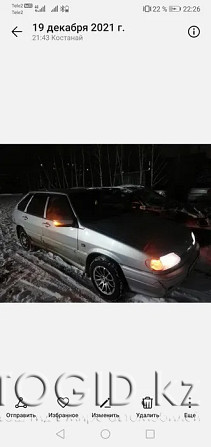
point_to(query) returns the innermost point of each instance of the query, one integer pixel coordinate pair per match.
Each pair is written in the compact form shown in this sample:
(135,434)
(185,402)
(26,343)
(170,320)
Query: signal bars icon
(56,9)
(37,9)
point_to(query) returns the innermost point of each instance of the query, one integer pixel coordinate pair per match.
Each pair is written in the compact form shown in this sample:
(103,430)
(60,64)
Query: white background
(150,84)
(135,340)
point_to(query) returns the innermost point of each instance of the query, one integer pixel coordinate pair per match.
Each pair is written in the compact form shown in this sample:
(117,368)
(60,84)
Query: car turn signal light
(156,264)
(56,223)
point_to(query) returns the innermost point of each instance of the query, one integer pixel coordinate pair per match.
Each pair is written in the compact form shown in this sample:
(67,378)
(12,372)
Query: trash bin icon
(147,403)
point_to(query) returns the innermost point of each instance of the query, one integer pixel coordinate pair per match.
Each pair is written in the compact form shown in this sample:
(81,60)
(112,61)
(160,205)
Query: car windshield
(99,204)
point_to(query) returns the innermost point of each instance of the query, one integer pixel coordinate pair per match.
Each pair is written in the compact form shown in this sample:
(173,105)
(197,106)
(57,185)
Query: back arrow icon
(61,434)
(14,31)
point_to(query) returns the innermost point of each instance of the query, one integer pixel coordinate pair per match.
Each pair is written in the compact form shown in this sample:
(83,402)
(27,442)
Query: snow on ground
(40,276)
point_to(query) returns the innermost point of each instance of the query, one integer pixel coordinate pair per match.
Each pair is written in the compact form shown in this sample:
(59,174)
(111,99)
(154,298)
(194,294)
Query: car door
(59,228)
(32,218)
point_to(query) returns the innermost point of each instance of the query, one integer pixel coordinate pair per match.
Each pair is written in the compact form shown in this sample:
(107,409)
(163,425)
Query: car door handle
(46,224)
(25,217)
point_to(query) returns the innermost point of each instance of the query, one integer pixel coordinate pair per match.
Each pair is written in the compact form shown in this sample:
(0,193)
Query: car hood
(150,234)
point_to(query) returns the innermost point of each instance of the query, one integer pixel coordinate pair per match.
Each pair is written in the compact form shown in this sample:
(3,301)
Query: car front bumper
(158,284)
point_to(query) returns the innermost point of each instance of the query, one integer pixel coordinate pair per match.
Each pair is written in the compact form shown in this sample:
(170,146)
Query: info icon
(194,31)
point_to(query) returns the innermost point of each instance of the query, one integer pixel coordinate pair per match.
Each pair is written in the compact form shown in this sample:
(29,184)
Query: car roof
(75,190)
(58,191)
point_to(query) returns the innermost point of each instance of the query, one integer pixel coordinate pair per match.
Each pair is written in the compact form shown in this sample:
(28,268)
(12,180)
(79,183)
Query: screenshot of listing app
(105,223)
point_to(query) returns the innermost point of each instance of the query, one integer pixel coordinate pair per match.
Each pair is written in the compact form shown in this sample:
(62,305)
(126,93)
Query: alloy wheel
(104,280)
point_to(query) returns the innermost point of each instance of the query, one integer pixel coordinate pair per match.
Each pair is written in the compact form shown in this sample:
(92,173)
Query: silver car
(103,233)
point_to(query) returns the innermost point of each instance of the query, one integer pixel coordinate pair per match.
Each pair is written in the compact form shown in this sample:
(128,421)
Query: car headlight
(164,262)
(193,238)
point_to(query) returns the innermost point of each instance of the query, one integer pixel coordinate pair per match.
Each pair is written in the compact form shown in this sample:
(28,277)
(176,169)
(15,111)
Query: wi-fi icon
(56,9)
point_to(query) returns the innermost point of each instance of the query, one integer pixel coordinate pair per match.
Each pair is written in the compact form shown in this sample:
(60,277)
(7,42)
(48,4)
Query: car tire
(107,278)
(24,239)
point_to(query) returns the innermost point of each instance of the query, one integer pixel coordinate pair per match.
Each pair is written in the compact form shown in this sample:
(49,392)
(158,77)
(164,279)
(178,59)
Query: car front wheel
(106,278)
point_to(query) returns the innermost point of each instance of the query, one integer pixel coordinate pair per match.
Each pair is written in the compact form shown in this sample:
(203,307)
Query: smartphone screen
(105,223)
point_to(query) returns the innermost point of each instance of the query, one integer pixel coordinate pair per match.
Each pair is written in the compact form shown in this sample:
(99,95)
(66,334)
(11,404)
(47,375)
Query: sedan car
(192,215)
(100,232)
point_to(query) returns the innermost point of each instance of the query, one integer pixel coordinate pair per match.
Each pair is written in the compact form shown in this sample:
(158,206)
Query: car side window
(37,205)
(59,208)
(23,203)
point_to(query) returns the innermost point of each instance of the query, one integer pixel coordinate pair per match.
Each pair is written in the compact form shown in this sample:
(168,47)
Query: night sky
(23,167)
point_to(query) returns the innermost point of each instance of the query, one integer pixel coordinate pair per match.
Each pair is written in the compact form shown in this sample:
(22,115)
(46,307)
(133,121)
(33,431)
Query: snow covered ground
(40,276)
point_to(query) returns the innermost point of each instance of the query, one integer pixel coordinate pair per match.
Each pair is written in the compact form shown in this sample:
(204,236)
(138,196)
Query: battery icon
(147,8)
(174,8)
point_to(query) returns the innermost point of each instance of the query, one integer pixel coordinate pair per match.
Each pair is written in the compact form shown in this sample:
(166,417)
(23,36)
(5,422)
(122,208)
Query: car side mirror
(65,223)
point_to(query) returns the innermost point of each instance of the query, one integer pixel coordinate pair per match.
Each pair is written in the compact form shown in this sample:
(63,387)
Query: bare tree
(45,171)
(115,168)
(109,167)
(157,168)
(83,166)
(64,179)
(57,173)
(120,162)
(141,163)
(91,170)
(76,170)
(99,158)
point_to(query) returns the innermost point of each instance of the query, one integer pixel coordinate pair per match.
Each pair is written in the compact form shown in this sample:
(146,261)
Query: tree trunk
(83,167)
(109,167)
